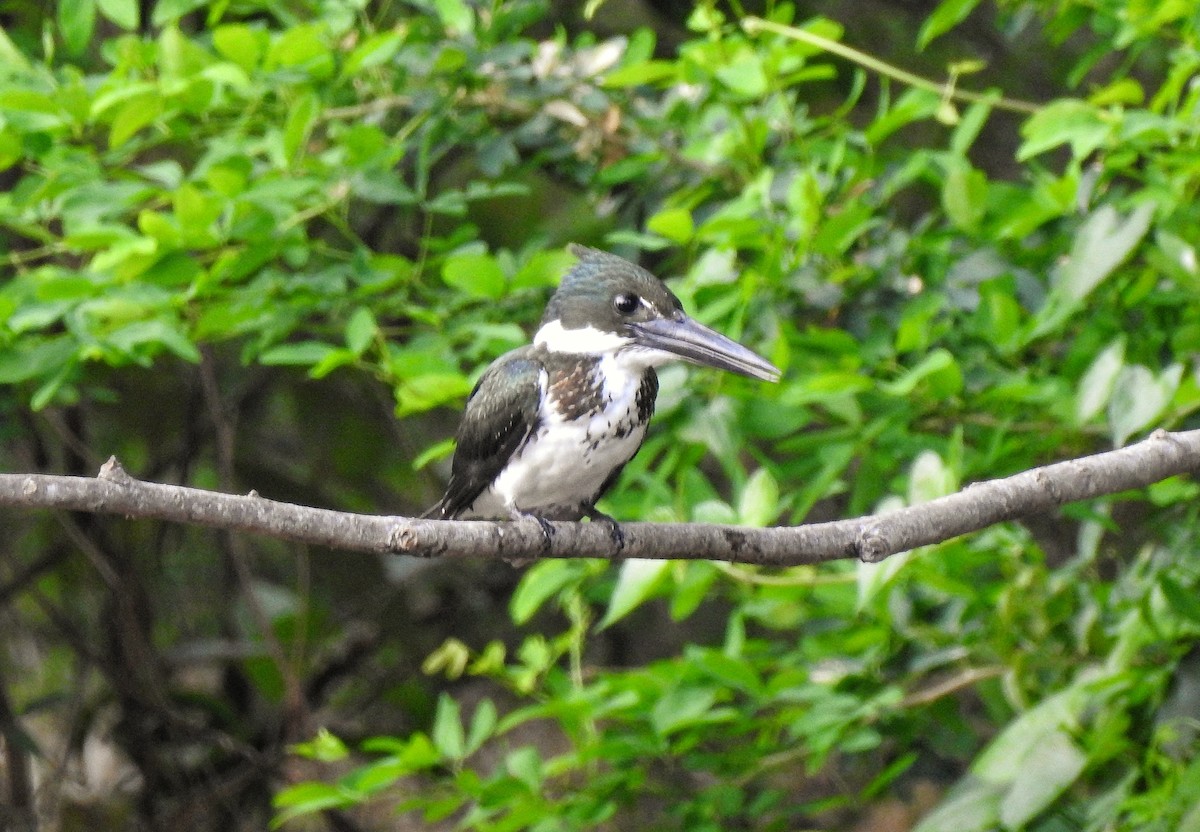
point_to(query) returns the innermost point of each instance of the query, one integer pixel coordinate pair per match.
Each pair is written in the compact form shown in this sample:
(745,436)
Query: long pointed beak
(698,344)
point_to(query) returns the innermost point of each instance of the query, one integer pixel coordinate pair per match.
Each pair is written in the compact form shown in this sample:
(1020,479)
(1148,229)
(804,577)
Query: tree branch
(870,538)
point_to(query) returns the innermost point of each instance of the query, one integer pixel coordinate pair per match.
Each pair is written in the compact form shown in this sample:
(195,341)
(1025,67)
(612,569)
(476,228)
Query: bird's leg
(614,528)
(547,530)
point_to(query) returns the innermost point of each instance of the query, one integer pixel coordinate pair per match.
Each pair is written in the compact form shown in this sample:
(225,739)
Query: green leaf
(972,806)
(134,114)
(477,275)
(945,17)
(157,228)
(456,16)
(1098,382)
(1183,601)
(483,725)
(705,18)
(452,203)
(76,21)
(969,126)
(644,72)
(324,747)
(307,798)
(545,268)
(937,362)
(838,232)
(1052,766)
(964,194)
(196,213)
(691,590)
(303,47)
(450,659)
(302,353)
(733,672)
(930,478)
(539,582)
(673,223)
(123,13)
(1068,121)
(428,390)
(744,74)
(46,394)
(759,502)
(947,113)
(1138,398)
(1121,91)
(912,105)
(376,50)
(239,44)
(636,582)
(302,115)
(1104,242)
(157,331)
(27,358)
(447,733)
(525,764)
(681,707)
(11,149)
(436,451)
(1190,822)
(168,11)
(714,511)
(10,54)
(361,330)
(1002,762)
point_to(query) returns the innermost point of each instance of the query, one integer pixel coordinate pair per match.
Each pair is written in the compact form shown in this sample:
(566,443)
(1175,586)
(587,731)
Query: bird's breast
(592,421)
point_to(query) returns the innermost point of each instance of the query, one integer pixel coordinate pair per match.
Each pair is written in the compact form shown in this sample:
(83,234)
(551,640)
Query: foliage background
(266,244)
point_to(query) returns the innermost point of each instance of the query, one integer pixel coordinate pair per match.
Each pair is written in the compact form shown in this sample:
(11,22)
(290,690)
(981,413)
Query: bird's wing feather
(501,413)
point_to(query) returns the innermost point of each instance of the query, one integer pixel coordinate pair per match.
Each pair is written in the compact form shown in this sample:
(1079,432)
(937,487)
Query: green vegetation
(235,234)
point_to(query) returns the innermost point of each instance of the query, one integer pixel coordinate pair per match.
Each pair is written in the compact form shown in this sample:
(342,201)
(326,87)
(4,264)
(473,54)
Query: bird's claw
(543,523)
(614,528)
(547,531)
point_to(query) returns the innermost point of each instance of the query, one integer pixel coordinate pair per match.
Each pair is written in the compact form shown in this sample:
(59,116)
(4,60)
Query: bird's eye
(626,303)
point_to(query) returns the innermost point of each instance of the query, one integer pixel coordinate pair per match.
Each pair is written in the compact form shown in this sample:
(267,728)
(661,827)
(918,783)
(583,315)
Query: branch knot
(114,472)
(872,544)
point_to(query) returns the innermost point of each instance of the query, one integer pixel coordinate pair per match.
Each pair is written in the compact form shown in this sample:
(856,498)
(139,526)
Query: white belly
(560,470)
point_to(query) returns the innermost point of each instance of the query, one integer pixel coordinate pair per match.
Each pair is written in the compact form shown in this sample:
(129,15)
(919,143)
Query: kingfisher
(549,426)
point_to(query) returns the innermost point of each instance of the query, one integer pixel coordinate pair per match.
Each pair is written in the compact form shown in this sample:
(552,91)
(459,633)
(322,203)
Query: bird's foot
(547,529)
(614,528)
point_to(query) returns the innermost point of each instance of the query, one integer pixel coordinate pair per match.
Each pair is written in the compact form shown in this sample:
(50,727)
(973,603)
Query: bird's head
(605,304)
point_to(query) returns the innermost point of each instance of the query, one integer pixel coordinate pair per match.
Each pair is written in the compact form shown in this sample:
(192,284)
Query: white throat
(584,341)
(594,342)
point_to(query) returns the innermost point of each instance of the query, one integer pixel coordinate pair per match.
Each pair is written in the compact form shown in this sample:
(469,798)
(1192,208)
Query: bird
(549,426)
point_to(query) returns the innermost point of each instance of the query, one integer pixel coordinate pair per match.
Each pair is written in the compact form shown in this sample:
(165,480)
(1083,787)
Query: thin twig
(21,257)
(807,578)
(296,708)
(91,551)
(753,25)
(951,685)
(28,574)
(375,105)
(13,742)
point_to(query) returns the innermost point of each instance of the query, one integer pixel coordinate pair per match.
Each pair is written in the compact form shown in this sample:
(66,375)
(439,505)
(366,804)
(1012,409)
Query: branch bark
(870,538)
